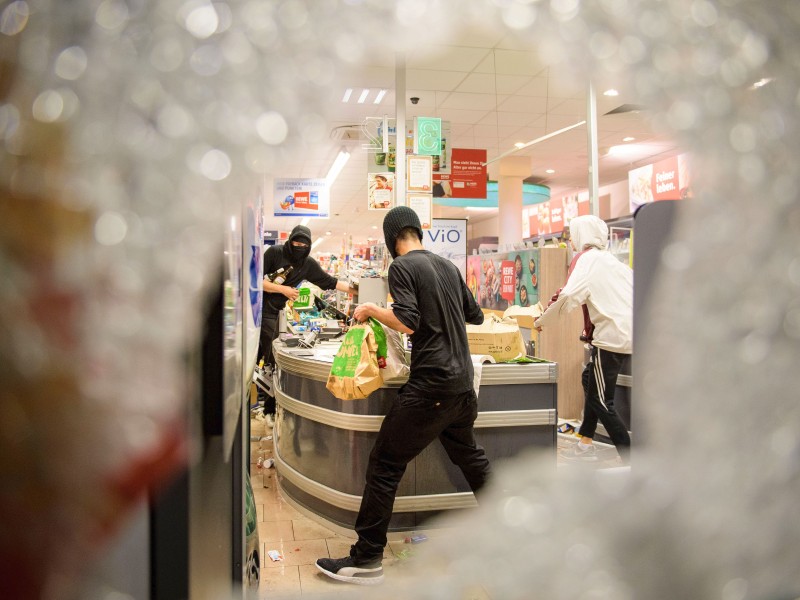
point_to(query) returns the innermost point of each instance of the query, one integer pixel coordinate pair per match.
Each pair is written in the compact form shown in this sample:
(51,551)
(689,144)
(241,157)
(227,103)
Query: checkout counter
(322,444)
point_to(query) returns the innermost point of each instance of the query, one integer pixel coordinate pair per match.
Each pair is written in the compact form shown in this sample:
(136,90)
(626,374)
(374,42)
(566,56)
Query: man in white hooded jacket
(604,285)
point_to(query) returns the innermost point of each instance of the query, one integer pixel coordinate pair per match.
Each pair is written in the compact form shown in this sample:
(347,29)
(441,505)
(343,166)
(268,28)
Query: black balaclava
(296,256)
(395,221)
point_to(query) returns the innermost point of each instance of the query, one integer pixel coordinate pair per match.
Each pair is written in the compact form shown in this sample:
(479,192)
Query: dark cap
(395,221)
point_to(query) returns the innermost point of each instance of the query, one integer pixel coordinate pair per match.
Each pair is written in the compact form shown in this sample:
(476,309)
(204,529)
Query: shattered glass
(129,128)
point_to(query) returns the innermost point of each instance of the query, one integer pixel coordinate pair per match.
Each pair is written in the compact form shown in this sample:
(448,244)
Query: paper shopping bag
(355,373)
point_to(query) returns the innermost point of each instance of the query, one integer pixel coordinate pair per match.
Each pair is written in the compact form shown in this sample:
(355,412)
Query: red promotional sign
(665,182)
(533,223)
(468,173)
(556,215)
(507,281)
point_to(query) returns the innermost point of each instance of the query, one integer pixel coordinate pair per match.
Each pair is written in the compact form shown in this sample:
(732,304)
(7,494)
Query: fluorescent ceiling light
(374,226)
(633,151)
(347,93)
(379,97)
(519,145)
(363,96)
(611,92)
(536,141)
(317,242)
(337,166)
(628,139)
(550,171)
(328,232)
(480,208)
(761,83)
(305,221)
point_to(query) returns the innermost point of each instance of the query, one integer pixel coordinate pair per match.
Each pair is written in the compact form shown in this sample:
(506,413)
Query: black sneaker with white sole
(346,569)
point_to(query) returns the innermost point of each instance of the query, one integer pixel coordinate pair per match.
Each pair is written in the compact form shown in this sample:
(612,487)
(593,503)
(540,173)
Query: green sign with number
(303,300)
(429,135)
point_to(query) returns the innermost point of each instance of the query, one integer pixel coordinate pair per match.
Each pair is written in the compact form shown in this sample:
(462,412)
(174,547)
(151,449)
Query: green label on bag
(303,298)
(380,337)
(347,358)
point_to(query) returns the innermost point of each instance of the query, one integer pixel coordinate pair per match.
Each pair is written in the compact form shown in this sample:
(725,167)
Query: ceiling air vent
(626,108)
(347,133)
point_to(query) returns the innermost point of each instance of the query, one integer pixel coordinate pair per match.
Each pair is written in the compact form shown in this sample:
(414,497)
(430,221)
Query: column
(512,170)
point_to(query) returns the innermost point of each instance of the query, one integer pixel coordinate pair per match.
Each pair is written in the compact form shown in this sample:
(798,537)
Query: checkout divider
(322,444)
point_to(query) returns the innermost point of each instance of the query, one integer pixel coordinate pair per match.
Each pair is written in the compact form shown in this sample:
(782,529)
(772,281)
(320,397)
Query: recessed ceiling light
(363,96)
(611,92)
(347,93)
(379,97)
(628,139)
(328,232)
(374,226)
(519,144)
(550,171)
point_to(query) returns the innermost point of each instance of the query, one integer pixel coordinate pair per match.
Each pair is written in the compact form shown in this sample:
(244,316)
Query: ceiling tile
(427,79)
(472,101)
(515,62)
(446,58)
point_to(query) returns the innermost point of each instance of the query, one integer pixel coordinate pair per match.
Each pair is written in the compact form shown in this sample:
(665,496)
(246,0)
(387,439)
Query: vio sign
(452,236)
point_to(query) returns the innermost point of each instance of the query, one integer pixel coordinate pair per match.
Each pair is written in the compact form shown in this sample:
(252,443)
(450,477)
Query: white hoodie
(600,281)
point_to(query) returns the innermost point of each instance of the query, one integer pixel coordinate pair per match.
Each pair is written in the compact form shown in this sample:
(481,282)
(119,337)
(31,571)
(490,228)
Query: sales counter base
(322,444)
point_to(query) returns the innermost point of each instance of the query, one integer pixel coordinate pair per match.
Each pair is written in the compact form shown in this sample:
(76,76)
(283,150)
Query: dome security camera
(414,100)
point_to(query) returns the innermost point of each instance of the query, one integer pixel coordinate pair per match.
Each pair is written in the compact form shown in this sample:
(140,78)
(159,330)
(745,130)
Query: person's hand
(290,292)
(363,312)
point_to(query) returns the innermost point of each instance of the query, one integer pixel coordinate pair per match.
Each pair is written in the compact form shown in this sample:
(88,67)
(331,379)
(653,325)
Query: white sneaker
(584,452)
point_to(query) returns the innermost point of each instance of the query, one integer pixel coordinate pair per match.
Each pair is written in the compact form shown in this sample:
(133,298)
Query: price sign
(428,136)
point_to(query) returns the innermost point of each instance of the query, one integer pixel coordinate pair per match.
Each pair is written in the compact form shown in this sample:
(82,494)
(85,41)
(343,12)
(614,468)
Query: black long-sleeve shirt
(308,270)
(431,298)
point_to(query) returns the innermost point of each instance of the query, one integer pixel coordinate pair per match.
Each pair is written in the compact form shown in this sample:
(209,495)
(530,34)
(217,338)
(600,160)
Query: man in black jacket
(432,303)
(294,253)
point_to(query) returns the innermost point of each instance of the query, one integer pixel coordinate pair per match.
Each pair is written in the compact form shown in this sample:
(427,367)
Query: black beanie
(395,221)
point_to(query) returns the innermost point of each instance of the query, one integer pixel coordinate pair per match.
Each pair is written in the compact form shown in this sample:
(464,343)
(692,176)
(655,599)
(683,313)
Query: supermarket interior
(193,225)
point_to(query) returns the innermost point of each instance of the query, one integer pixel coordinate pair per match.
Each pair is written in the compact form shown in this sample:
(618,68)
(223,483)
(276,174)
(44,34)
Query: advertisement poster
(466,177)
(500,280)
(544,218)
(379,161)
(556,215)
(448,239)
(301,198)
(380,191)
(422,205)
(668,179)
(418,173)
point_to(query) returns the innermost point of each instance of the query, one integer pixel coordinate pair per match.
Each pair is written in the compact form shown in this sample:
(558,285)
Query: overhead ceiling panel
(446,58)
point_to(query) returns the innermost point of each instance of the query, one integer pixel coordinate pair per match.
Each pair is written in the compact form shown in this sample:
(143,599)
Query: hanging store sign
(380,191)
(418,173)
(466,177)
(428,136)
(301,198)
(422,204)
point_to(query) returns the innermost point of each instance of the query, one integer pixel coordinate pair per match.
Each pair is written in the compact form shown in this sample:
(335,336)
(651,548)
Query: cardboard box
(526,316)
(500,339)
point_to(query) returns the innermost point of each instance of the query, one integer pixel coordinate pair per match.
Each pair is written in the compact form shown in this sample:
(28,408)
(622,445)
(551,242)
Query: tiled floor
(302,541)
